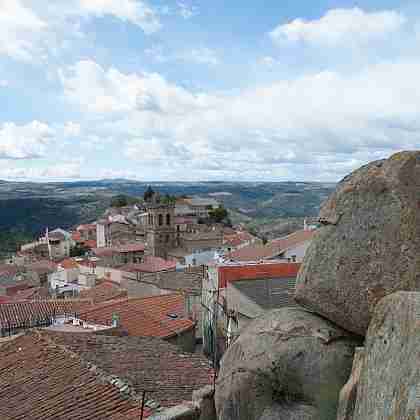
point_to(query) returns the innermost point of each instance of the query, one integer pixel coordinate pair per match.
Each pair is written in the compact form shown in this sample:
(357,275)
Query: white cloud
(34,30)
(24,141)
(186,11)
(71,129)
(101,91)
(200,55)
(136,12)
(20,29)
(321,125)
(341,26)
(63,170)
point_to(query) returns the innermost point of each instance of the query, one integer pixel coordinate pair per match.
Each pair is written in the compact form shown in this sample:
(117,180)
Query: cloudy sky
(206,90)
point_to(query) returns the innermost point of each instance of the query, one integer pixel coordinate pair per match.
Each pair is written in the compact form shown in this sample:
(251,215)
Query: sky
(200,90)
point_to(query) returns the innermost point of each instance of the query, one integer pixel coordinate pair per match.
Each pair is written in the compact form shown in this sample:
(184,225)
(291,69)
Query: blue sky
(200,90)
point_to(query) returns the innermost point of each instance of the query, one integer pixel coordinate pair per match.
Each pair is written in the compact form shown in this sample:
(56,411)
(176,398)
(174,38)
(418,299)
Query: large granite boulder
(348,394)
(287,365)
(389,386)
(368,245)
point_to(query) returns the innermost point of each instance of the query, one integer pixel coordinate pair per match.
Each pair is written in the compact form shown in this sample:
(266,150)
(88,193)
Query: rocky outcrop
(348,394)
(289,364)
(368,245)
(389,387)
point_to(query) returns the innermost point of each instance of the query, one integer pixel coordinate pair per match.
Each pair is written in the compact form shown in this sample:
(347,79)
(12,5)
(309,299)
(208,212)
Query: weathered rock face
(389,387)
(289,364)
(369,244)
(348,394)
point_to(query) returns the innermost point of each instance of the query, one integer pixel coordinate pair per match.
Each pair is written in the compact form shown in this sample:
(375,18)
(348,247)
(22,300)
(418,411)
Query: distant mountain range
(27,208)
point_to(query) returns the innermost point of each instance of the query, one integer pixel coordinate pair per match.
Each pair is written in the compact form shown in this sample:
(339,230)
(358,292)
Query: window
(168,219)
(160,220)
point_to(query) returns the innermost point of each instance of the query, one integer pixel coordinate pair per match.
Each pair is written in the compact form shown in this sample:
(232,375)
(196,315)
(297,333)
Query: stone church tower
(160,230)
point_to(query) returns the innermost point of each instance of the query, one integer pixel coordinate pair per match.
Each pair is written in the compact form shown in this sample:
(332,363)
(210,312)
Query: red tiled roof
(86,227)
(256,271)
(69,264)
(38,311)
(104,291)
(169,375)
(272,249)
(91,243)
(104,252)
(40,380)
(122,249)
(150,265)
(30,294)
(237,238)
(135,247)
(6,299)
(294,238)
(11,290)
(144,317)
(255,252)
(8,270)
(76,236)
(42,266)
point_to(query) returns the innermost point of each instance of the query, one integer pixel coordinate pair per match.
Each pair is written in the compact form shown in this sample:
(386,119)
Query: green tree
(218,214)
(79,250)
(123,200)
(168,199)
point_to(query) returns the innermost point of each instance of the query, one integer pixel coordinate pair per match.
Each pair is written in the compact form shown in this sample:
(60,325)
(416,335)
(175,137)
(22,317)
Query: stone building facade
(160,231)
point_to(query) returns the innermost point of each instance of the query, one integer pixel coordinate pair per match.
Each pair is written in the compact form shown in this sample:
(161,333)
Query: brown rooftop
(103,292)
(43,380)
(161,316)
(37,312)
(273,248)
(146,363)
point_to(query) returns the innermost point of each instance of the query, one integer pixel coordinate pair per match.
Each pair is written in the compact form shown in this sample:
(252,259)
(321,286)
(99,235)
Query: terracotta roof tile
(86,227)
(135,247)
(76,236)
(294,238)
(31,294)
(238,238)
(38,312)
(150,265)
(103,292)
(41,380)
(69,264)
(144,317)
(9,270)
(256,271)
(104,252)
(169,375)
(273,248)
(91,243)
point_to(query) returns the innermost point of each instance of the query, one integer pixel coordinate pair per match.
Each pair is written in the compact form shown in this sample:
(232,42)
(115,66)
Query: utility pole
(143,401)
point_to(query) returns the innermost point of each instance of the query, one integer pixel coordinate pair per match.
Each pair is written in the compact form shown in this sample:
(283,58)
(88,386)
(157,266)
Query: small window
(168,219)
(160,220)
